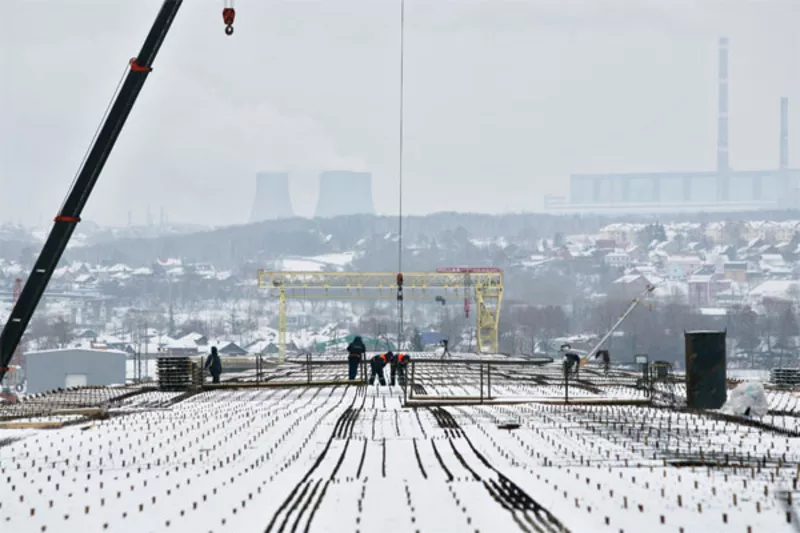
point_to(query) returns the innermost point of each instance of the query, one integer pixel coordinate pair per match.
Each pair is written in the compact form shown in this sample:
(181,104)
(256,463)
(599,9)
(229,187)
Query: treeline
(272,239)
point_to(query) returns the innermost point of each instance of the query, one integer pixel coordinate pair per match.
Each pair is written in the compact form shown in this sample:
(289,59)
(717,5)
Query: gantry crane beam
(486,286)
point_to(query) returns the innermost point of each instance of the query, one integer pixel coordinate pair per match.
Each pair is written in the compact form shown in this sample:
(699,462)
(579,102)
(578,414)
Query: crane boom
(623,316)
(70,213)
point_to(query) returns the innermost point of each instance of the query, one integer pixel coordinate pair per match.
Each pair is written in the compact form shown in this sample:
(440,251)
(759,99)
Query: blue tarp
(432,337)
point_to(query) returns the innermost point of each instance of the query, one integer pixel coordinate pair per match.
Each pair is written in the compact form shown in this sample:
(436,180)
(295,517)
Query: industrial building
(723,189)
(74,367)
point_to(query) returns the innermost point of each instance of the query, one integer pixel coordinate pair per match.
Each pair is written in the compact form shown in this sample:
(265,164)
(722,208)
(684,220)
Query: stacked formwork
(785,377)
(176,373)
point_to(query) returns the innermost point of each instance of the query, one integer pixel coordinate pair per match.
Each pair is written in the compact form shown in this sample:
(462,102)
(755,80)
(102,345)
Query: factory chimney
(722,121)
(272,199)
(784,133)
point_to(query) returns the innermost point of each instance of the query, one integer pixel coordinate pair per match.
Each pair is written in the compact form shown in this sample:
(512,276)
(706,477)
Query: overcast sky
(504,99)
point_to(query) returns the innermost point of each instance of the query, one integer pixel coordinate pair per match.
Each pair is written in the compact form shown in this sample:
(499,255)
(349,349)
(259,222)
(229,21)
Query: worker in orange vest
(399,367)
(376,364)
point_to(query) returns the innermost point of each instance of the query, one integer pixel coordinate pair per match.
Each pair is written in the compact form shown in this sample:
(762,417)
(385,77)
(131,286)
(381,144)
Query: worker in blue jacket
(214,365)
(355,350)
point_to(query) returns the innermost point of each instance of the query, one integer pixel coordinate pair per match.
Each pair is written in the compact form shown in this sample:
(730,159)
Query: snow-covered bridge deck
(348,458)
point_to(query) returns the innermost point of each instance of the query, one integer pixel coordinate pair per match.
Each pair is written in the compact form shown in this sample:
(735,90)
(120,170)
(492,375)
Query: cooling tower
(343,192)
(272,198)
(784,134)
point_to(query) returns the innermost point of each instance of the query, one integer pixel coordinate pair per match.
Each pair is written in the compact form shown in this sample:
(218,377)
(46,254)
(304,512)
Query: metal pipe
(481,382)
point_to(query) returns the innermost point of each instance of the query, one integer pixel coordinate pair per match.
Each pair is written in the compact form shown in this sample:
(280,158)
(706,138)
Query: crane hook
(228,16)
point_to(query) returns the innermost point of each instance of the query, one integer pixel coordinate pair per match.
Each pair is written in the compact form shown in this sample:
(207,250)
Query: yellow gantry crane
(485,285)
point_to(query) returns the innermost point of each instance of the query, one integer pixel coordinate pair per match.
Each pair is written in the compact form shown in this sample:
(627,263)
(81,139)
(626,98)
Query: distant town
(563,286)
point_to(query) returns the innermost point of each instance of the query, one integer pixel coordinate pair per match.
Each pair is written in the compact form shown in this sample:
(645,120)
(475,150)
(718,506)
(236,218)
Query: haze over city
(503,100)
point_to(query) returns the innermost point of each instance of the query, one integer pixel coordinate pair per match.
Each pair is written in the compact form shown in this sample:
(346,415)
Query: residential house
(605,244)
(668,247)
(618,259)
(229,348)
(182,346)
(786,230)
(189,344)
(85,282)
(773,266)
(716,231)
(760,229)
(704,286)
(680,267)
(621,233)
(87,334)
(637,253)
(628,287)
(735,271)
(786,290)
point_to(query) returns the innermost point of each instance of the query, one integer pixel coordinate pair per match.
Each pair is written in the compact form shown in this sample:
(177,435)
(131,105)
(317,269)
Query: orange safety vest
(402,358)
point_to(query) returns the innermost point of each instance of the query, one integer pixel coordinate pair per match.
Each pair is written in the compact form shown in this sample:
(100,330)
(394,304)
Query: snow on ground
(346,458)
(335,261)
(338,259)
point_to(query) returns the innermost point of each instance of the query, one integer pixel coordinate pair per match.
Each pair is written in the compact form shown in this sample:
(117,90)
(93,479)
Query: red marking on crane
(136,67)
(228,15)
(62,218)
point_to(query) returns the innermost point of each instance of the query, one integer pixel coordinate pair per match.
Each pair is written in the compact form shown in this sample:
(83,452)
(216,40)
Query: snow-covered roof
(713,311)
(629,278)
(777,288)
(684,259)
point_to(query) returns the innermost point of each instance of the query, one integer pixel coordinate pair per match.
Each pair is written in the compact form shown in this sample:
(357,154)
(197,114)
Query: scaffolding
(485,284)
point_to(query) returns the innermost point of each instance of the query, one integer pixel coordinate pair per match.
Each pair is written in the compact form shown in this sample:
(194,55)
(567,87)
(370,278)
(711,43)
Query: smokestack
(343,192)
(272,199)
(722,122)
(784,133)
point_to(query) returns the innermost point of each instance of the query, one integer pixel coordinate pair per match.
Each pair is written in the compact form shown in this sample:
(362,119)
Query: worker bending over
(572,361)
(376,364)
(605,357)
(399,367)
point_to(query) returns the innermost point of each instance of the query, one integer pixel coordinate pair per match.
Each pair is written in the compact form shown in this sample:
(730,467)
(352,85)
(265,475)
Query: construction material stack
(176,373)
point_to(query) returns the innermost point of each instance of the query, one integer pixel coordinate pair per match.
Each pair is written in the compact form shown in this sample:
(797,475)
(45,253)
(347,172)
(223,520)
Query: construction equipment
(486,284)
(228,16)
(635,302)
(70,213)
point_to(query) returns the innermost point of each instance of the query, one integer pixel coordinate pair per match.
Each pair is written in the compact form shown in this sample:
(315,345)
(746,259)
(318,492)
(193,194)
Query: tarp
(371,343)
(748,399)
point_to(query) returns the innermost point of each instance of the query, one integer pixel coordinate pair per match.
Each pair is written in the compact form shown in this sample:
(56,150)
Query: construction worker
(572,362)
(446,351)
(376,364)
(604,356)
(355,350)
(214,365)
(399,366)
